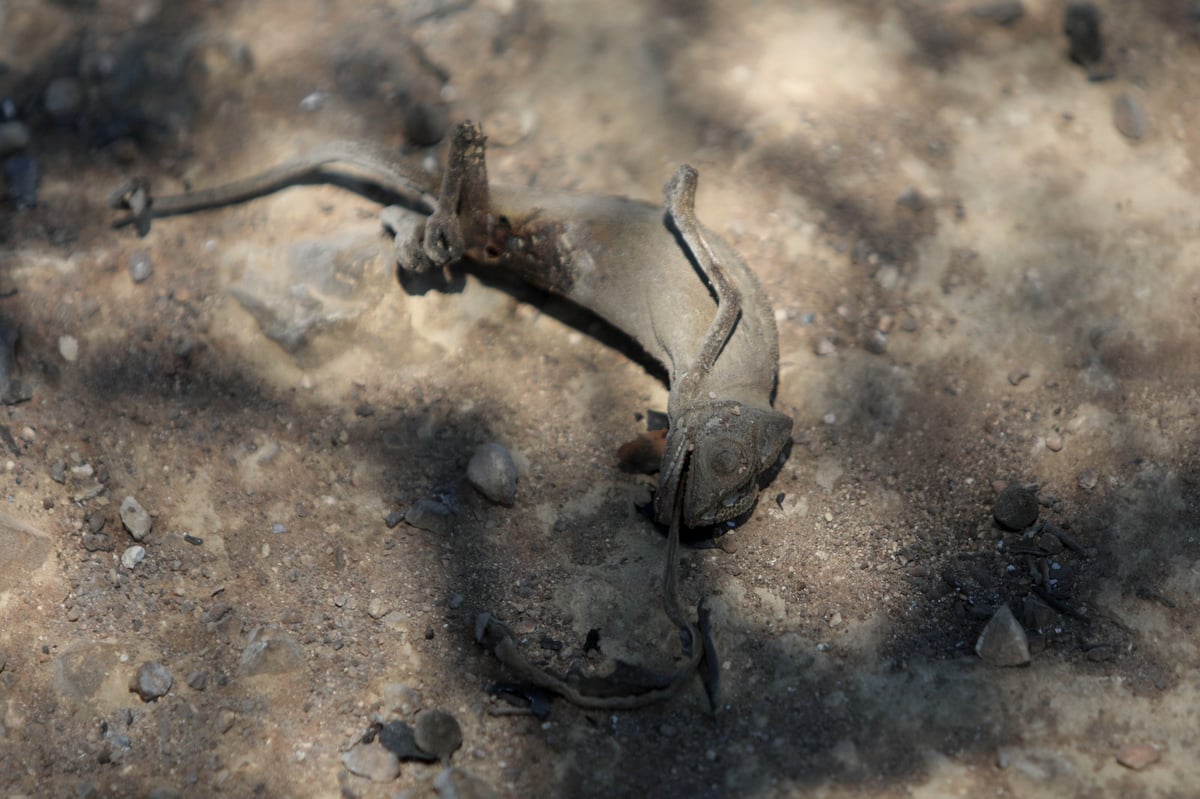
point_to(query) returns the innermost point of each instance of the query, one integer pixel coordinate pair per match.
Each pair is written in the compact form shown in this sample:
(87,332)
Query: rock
(58,472)
(373,762)
(140,266)
(492,473)
(1088,479)
(270,650)
(1128,117)
(438,733)
(133,556)
(135,518)
(454,783)
(429,514)
(317,283)
(152,681)
(400,739)
(1003,641)
(1138,756)
(1016,507)
(197,680)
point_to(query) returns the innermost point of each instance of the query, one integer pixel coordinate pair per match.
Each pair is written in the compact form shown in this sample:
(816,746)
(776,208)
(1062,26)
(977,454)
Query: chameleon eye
(724,461)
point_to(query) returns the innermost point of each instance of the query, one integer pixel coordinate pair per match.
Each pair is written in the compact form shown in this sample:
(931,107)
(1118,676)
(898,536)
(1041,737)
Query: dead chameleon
(655,273)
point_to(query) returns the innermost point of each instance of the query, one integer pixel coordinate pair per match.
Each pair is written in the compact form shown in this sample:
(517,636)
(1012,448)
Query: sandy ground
(979,277)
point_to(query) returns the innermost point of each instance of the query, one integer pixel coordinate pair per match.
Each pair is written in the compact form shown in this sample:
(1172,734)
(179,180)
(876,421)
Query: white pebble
(68,348)
(131,557)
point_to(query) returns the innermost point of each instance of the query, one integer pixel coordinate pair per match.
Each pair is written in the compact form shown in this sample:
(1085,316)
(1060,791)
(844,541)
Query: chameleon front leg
(680,201)
(460,218)
(680,195)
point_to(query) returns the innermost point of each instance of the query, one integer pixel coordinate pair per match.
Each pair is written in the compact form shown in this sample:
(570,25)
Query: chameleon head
(724,447)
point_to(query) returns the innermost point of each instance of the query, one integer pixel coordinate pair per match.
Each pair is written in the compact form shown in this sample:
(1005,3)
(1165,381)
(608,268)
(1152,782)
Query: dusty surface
(978,279)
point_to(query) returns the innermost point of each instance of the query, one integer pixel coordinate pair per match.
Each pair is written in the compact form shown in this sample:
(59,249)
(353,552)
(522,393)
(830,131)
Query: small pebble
(376,609)
(1054,442)
(197,680)
(1138,756)
(877,343)
(131,557)
(313,101)
(1003,641)
(1087,479)
(373,762)
(394,518)
(1128,117)
(140,266)
(824,347)
(151,681)
(437,732)
(1016,507)
(493,473)
(68,348)
(58,471)
(135,518)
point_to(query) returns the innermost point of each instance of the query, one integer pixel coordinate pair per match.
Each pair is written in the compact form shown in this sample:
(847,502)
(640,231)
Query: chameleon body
(655,273)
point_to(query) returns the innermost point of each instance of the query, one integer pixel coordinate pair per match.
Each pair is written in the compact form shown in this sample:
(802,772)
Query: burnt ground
(983,268)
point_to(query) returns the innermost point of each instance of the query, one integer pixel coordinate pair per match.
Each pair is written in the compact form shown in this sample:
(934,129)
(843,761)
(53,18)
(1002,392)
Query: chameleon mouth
(731,506)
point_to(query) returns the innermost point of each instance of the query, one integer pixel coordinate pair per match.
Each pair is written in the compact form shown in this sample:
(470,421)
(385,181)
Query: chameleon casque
(654,272)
